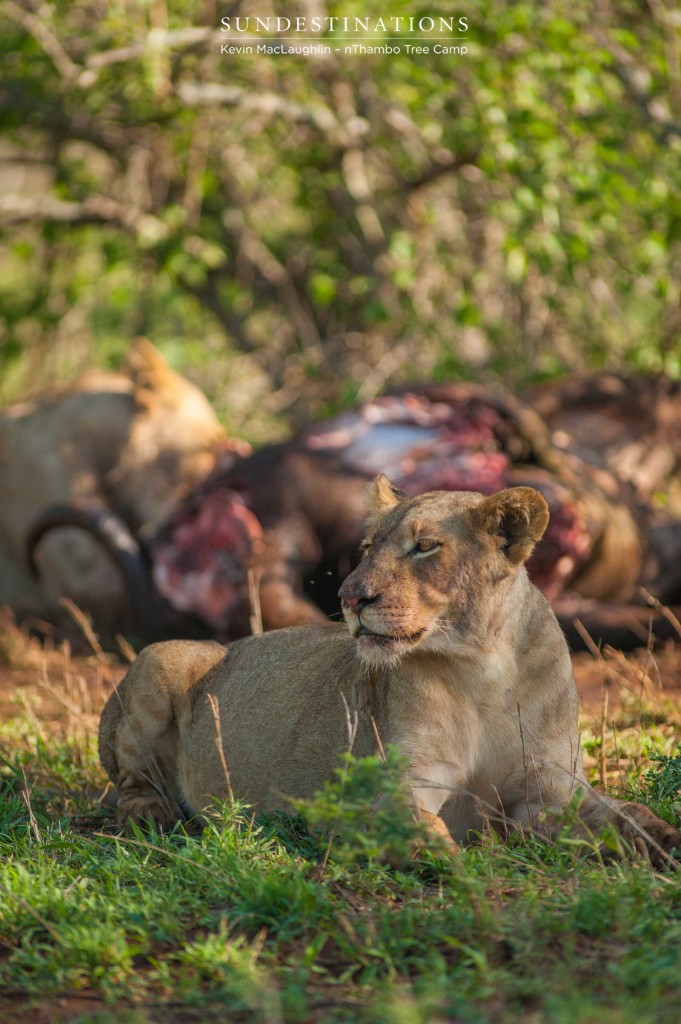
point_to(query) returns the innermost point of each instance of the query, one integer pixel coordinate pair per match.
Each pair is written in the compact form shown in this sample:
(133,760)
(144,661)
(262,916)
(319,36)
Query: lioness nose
(356,598)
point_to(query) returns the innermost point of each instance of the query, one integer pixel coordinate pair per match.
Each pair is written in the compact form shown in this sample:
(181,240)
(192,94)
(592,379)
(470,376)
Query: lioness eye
(421,547)
(366,549)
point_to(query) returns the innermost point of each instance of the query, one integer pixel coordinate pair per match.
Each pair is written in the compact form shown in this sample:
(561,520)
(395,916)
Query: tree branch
(212,94)
(85,77)
(156,40)
(45,37)
(19,209)
(438,170)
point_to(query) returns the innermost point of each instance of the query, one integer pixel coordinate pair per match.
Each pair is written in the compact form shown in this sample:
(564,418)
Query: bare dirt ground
(642,676)
(58,684)
(55,684)
(60,691)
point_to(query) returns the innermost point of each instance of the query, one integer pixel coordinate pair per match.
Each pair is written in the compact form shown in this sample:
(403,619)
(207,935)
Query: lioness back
(282,701)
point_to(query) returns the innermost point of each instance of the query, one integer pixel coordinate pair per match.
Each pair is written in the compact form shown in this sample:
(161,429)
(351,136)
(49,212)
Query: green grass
(267,921)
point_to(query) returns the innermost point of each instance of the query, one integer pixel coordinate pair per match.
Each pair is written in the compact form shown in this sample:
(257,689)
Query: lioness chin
(452,655)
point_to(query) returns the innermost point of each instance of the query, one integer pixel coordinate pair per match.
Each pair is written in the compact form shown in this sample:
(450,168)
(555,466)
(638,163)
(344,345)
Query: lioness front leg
(641,829)
(437,831)
(434,830)
(430,790)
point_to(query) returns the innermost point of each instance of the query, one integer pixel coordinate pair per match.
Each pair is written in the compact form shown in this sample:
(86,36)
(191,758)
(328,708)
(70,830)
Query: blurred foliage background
(297,232)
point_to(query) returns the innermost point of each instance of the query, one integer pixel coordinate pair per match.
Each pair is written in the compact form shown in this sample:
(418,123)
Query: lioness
(134,442)
(453,656)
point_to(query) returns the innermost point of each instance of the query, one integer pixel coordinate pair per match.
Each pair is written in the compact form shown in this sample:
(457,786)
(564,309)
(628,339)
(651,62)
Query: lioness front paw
(438,834)
(653,838)
(144,809)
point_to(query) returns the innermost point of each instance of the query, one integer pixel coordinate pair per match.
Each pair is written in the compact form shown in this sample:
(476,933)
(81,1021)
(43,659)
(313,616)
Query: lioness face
(434,565)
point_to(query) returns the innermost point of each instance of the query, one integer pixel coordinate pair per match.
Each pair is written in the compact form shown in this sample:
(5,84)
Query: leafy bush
(366,812)
(340,223)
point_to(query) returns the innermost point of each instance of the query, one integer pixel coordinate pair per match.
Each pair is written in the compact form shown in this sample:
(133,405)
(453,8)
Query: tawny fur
(137,442)
(452,655)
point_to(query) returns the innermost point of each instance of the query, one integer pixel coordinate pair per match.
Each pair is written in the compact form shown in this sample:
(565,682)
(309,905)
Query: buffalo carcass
(130,446)
(291,515)
(633,426)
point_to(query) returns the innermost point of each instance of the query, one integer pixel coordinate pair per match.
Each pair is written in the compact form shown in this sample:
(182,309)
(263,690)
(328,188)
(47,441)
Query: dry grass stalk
(215,708)
(255,618)
(603,761)
(84,623)
(662,609)
(127,650)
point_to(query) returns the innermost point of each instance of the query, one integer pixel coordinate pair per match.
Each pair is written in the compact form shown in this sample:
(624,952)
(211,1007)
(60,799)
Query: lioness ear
(383,495)
(518,517)
(150,374)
